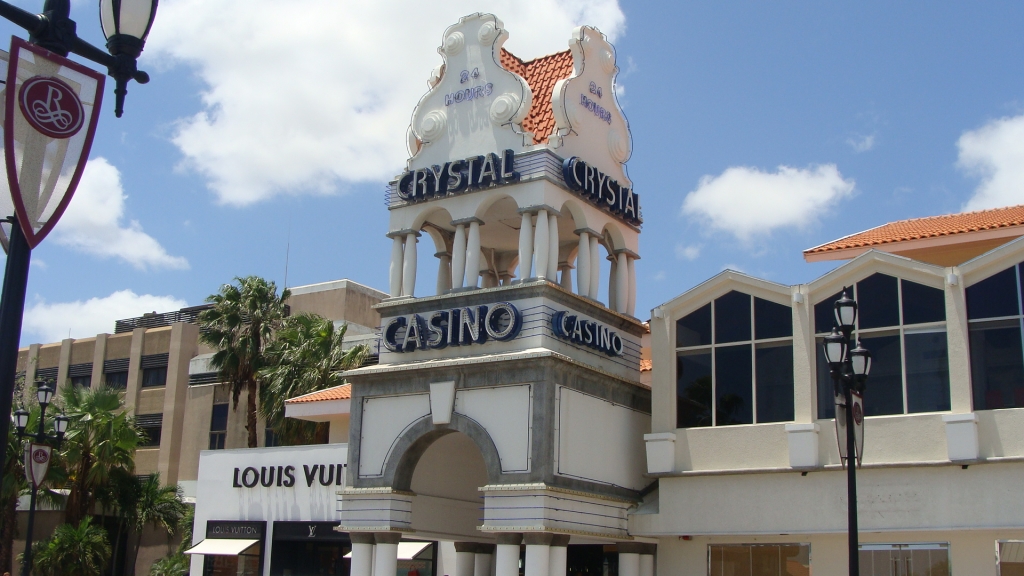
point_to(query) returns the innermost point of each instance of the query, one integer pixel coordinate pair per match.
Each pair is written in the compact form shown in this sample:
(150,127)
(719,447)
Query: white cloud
(51,322)
(995,154)
(747,202)
(684,252)
(308,95)
(861,143)
(92,222)
(660,275)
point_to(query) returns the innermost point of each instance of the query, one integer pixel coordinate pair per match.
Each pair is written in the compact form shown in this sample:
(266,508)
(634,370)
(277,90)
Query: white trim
(315,411)
(221,546)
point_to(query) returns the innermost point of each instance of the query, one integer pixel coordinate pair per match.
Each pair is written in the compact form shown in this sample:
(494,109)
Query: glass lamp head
(60,424)
(860,357)
(126,24)
(20,420)
(846,313)
(835,348)
(44,394)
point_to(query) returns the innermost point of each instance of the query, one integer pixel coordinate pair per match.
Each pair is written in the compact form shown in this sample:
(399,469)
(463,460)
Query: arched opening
(446,481)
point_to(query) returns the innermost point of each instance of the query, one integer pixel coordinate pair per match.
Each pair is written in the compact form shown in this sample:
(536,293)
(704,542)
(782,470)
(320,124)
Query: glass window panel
(765,561)
(694,329)
(825,315)
(732,318)
(116,379)
(82,381)
(997,367)
(826,397)
(796,560)
(693,389)
(884,392)
(736,560)
(927,372)
(219,420)
(151,437)
(922,303)
(994,296)
(774,364)
(772,320)
(715,559)
(878,302)
(154,377)
(733,385)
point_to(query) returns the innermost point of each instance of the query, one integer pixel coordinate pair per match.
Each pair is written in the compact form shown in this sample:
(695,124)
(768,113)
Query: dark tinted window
(997,367)
(922,303)
(694,329)
(219,420)
(824,314)
(884,391)
(774,383)
(732,318)
(151,437)
(693,390)
(116,379)
(733,385)
(154,377)
(994,296)
(927,372)
(83,381)
(826,397)
(772,320)
(878,302)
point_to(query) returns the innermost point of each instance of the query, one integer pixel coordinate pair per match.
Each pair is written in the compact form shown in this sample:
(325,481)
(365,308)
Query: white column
(526,247)
(538,554)
(552,247)
(595,268)
(459,256)
(396,266)
(631,305)
(473,255)
(506,557)
(558,555)
(629,564)
(482,560)
(362,554)
(444,272)
(540,244)
(385,558)
(613,286)
(646,561)
(465,558)
(565,280)
(409,267)
(622,283)
(583,265)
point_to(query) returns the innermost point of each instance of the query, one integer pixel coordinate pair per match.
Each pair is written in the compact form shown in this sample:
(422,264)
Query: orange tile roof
(646,365)
(541,74)
(929,227)
(343,392)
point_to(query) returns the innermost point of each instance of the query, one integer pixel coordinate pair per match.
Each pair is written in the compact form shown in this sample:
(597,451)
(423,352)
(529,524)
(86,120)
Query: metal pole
(26,566)
(12,306)
(851,483)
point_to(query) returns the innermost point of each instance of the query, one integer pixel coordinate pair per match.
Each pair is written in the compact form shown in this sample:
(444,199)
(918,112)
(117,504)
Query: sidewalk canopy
(221,546)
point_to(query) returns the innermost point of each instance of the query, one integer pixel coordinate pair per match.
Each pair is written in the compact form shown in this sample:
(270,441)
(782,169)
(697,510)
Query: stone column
(385,557)
(540,244)
(631,303)
(613,285)
(538,554)
(459,256)
(629,563)
(465,558)
(565,280)
(558,555)
(583,265)
(362,554)
(622,283)
(409,266)
(630,555)
(595,268)
(396,266)
(552,247)
(526,247)
(506,557)
(473,255)
(444,272)
(647,565)
(482,560)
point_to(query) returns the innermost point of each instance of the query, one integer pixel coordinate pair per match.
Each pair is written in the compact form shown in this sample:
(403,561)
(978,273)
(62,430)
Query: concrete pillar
(396,266)
(635,557)
(362,554)
(31,367)
(63,365)
(482,559)
(552,247)
(583,265)
(465,558)
(629,564)
(622,283)
(444,272)
(526,247)
(506,558)
(613,285)
(459,257)
(385,556)
(184,346)
(558,555)
(540,244)
(595,268)
(409,265)
(631,273)
(473,255)
(538,554)
(131,395)
(565,280)
(99,355)
(647,565)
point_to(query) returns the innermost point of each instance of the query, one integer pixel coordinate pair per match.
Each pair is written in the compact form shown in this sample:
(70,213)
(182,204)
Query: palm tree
(158,506)
(101,438)
(13,486)
(240,326)
(306,356)
(73,550)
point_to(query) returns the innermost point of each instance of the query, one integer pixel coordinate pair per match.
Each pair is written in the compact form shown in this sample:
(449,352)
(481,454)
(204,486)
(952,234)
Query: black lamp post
(44,394)
(850,370)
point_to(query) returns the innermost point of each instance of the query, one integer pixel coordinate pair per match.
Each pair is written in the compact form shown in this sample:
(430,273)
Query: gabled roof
(541,74)
(343,392)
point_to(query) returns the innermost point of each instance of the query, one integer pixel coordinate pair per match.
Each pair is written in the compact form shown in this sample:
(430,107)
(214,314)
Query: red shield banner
(37,463)
(51,108)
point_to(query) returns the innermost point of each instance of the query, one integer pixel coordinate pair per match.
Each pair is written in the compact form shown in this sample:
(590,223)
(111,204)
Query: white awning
(406,550)
(221,546)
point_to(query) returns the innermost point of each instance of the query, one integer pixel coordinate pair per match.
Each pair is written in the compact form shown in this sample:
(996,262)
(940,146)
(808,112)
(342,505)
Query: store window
(904,560)
(1010,561)
(903,325)
(997,359)
(218,426)
(116,380)
(734,363)
(309,548)
(152,377)
(759,559)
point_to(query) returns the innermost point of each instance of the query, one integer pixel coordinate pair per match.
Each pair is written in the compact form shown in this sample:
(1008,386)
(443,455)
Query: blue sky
(759,129)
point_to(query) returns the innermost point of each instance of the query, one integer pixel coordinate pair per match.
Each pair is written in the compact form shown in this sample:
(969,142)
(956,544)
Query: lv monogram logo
(312,531)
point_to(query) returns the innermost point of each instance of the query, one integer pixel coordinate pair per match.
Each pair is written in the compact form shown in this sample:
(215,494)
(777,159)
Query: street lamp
(849,370)
(38,460)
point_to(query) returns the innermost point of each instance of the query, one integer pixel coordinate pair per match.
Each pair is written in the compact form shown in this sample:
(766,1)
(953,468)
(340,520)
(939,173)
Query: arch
(417,438)
(575,211)
(427,213)
(618,241)
(488,200)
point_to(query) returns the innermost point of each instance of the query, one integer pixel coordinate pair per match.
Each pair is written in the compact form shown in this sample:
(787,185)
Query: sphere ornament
(487,33)
(454,43)
(433,125)
(607,60)
(618,146)
(504,107)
